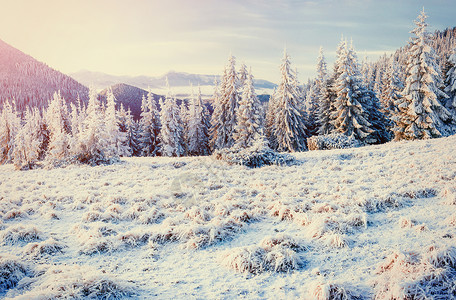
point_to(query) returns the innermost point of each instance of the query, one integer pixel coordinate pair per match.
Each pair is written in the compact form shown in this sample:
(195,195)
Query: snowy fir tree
(225,106)
(92,143)
(115,140)
(133,140)
(198,127)
(392,88)
(269,120)
(59,129)
(289,127)
(420,113)
(326,95)
(28,140)
(450,84)
(150,125)
(249,123)
(171,133)
(242,76)
(311,106)
(9,126)
(351,115)
(122,119)
(184,116)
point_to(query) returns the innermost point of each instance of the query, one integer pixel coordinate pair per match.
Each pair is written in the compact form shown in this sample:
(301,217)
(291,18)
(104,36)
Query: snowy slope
(373,221)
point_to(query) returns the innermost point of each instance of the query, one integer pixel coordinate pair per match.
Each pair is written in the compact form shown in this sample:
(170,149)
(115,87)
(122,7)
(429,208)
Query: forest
(408,95)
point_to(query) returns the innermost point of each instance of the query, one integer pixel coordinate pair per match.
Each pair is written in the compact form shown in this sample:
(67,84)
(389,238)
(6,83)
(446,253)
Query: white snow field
(372,222)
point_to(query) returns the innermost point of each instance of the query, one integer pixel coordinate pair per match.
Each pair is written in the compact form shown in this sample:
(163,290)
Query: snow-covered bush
(411,276)
(258,155)
(319,290)
(12,270)
(332,141)
(19,233)
(96,238)
(449,194)
(278,254)
(76,282)
(47,247)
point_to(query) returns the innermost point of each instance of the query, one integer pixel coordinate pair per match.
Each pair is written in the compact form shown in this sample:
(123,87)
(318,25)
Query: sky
(139,37)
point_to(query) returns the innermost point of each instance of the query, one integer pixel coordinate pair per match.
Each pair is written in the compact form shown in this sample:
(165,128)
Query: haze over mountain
(31,82)
(179,81)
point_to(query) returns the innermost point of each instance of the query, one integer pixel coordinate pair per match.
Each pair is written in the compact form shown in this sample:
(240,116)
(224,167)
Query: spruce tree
(93,139)
(28,140)
(269,120)
(122,119)
(420,112)
(59,129)
(450,84)
(351,114)
(224,118)
(249,123)
(9,126)
(133,134)
(198,127)
(289,126)
(171,141)
(392,88)
(115,138)
(150,125)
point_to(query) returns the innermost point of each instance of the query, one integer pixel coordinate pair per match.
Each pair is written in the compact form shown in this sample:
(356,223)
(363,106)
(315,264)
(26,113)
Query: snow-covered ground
(376,221)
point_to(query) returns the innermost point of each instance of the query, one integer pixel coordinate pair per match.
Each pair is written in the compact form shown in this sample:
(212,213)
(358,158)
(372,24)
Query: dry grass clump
(15,214)
(336,225)
(20,233)
(47,247)
(151,216)
(449,196)
(320,290)
(12,270)
(76,282)
(278,254)
(96,238)
(412,276)
(134,238)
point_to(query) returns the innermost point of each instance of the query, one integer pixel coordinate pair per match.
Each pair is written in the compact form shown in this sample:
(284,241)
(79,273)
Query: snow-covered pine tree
(311,106)
(216,130)
(10,123)
(269,120)
(198,127)
(224,117)
(122,119)
(150,125)
(242,76)
(59,129)
(351,114)
(326,94)
(93,140)
(392,87)
(420,113)
(249,123)
(28,140)
(289,126)
(133,134)
(184,116)
(115,139)
(171,132)
(450,84)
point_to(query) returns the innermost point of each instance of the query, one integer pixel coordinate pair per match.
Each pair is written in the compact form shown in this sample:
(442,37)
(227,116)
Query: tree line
(404,96)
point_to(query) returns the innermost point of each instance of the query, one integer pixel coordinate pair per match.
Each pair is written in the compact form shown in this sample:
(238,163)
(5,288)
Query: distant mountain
(129,96)
(31,82)
(176,79)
